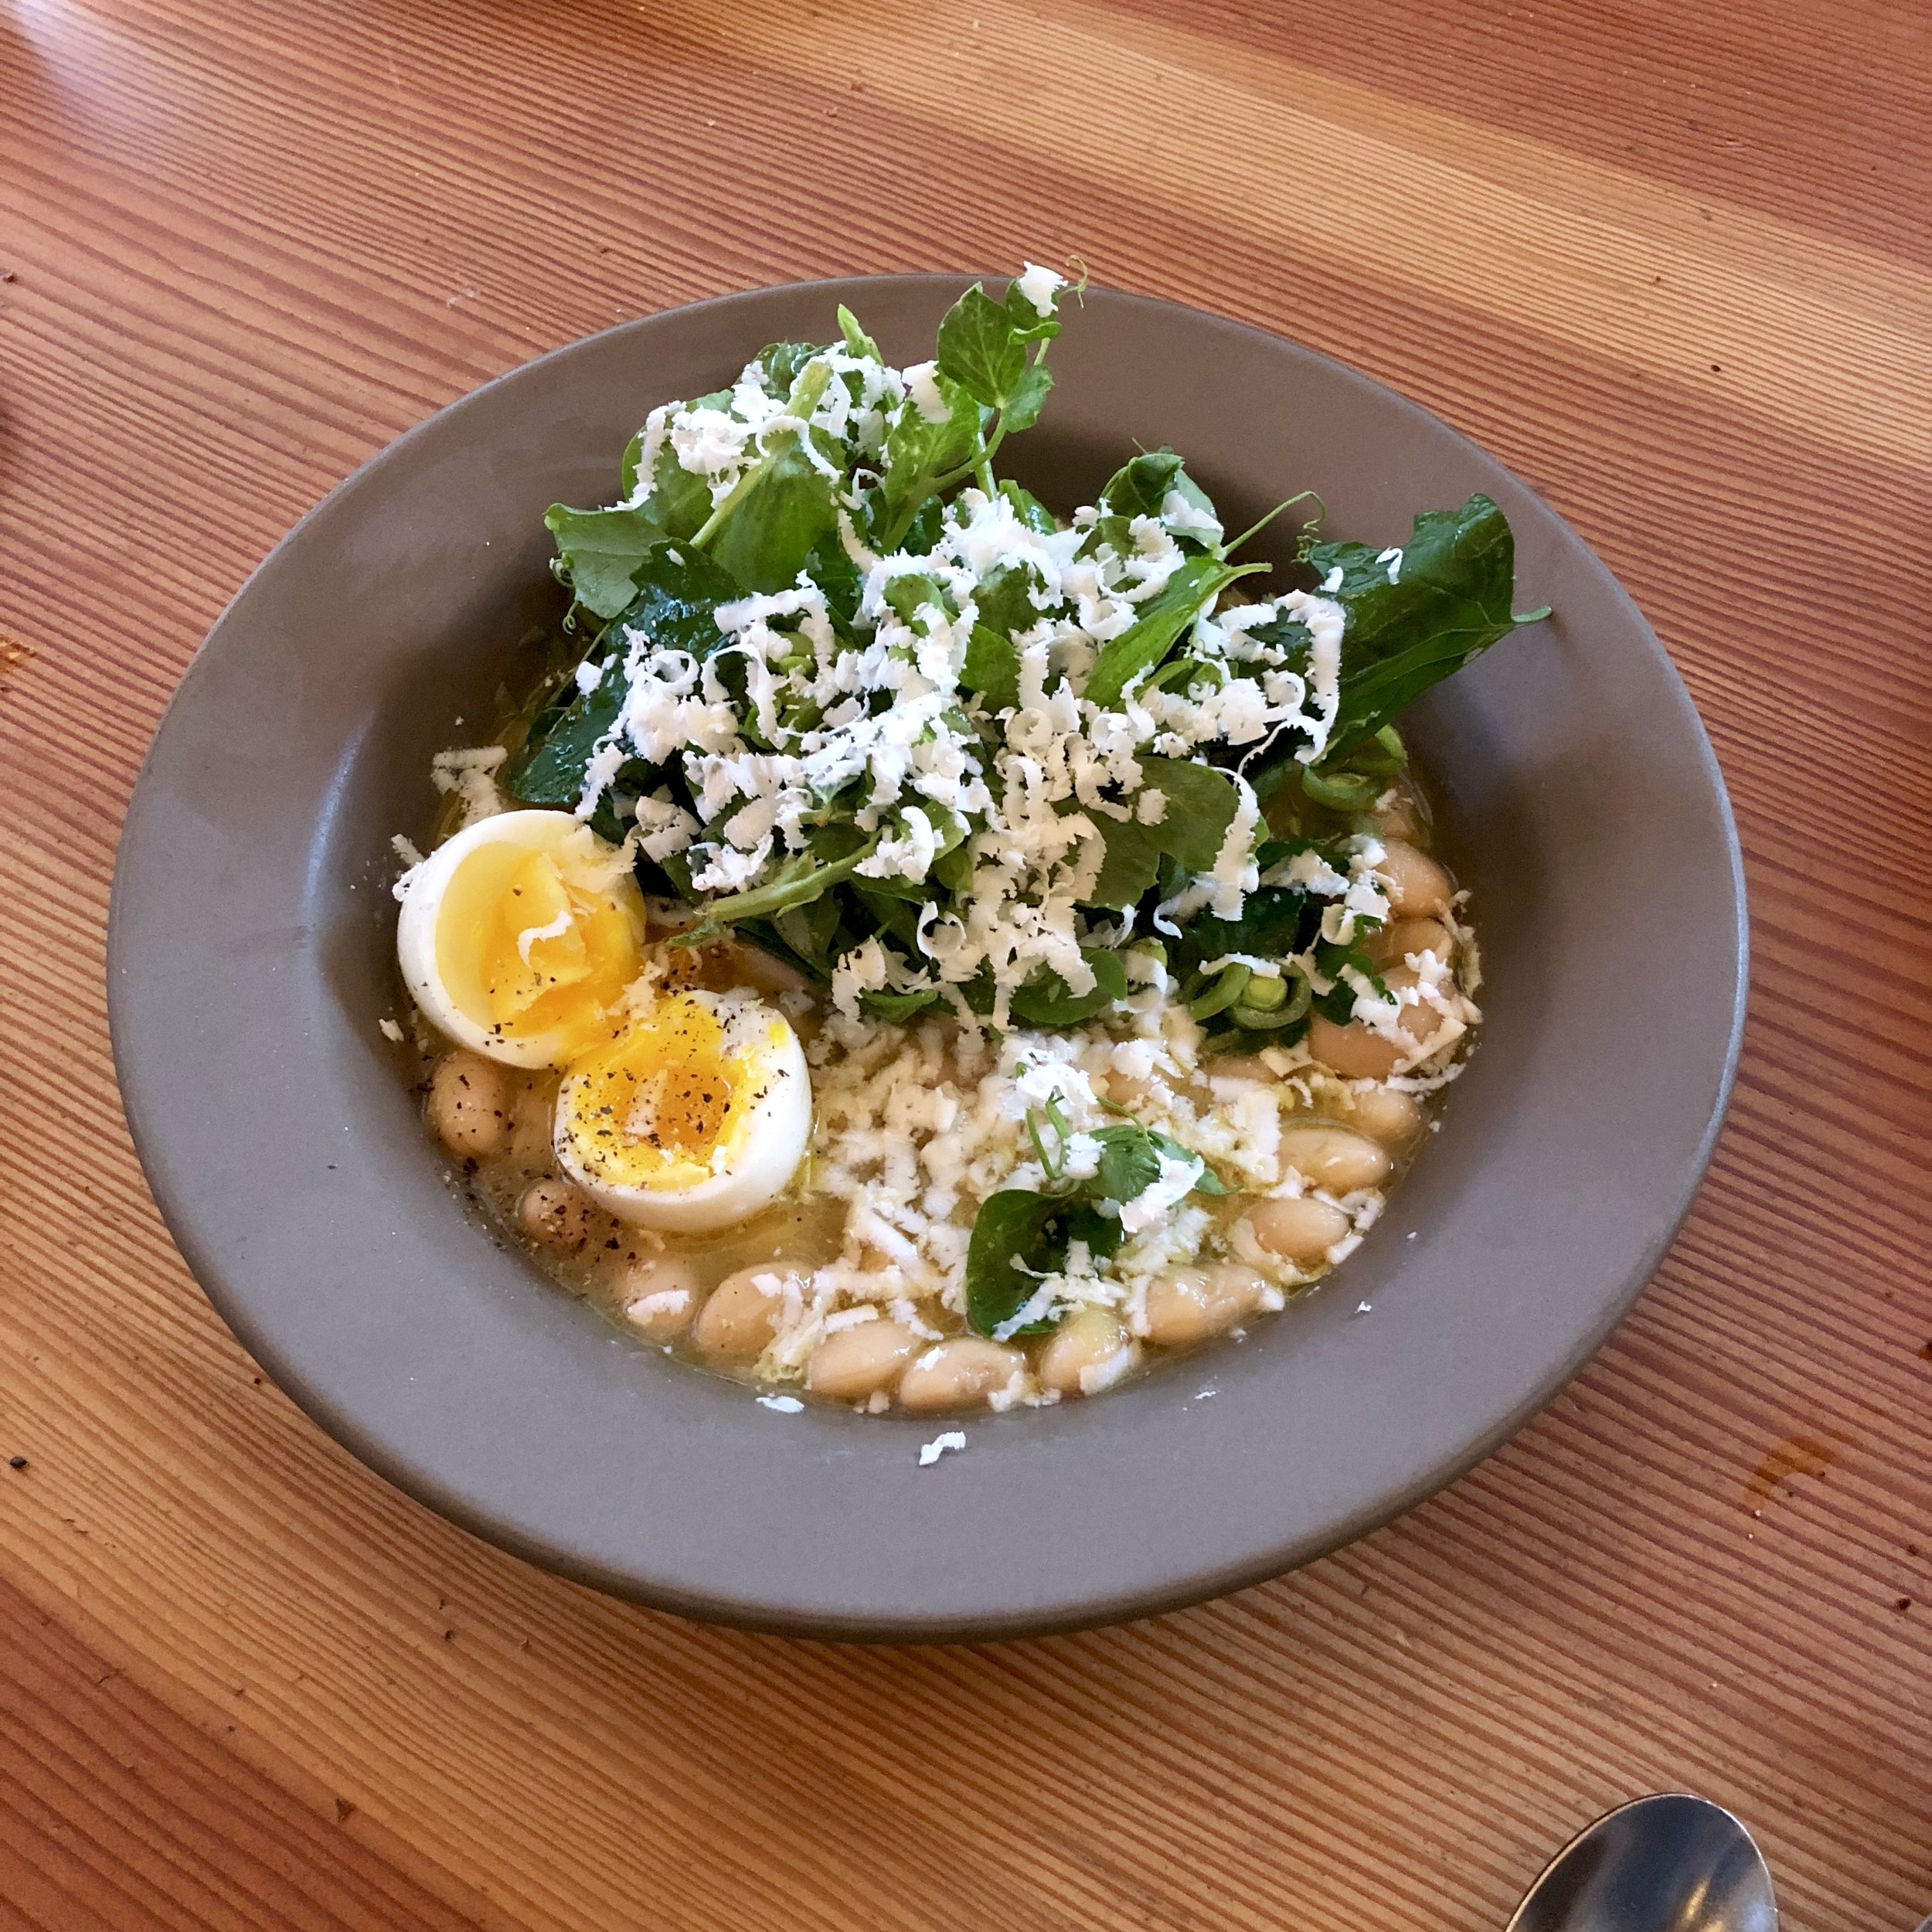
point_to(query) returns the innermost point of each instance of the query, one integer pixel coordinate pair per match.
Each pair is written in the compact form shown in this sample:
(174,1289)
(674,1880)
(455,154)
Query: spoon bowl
(1669,1863)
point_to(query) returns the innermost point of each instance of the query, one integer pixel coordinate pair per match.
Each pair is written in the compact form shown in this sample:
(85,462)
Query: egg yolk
(526,950)
(655,1108)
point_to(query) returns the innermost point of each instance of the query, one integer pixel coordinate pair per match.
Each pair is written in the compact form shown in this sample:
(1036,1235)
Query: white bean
(1192,1304)
(557,1215)
(1301,1230)
(661,1295)
(1385,1113)
(1418,887)
(1399,939)
(1238,1066)
(468,1106)
(1399,818)
(1334,1158)
(958,1372)
(857,1362)
(1090,1352)
(1353,1051)
(739,1319)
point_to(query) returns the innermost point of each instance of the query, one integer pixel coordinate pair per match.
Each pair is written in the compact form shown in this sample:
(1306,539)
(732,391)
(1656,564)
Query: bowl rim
(178,1213)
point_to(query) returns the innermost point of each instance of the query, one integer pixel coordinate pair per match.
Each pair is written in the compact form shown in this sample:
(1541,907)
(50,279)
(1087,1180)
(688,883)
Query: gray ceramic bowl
(251,956)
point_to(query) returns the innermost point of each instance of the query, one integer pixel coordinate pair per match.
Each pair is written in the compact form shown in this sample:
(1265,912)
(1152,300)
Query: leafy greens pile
(854,695)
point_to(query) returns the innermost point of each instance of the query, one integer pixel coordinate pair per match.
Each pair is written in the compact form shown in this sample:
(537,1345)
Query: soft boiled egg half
(694,1116)
(520,935)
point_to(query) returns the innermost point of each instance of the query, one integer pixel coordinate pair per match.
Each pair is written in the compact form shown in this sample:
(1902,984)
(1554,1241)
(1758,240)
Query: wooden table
(1673,264)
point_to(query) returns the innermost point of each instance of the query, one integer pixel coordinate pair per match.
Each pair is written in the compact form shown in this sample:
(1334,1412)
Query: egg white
(755,1156)
(561,836)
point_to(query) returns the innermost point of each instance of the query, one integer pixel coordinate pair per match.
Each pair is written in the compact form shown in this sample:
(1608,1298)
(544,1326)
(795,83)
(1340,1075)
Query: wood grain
(1672,265)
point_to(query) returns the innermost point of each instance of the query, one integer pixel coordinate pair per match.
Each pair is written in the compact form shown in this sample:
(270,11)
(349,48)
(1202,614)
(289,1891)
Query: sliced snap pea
(1253,1021)
(1256,1016)
(1228,987)
(1339,791)
(1265,995)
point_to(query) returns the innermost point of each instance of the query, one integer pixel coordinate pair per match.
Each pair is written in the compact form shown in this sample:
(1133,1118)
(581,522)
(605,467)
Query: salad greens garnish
(872,706)
(1022,1239)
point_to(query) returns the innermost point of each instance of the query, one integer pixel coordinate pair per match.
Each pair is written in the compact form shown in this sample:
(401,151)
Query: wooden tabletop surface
(1673,264)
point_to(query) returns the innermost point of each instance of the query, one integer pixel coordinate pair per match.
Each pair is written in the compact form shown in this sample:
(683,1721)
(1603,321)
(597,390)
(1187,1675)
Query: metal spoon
(1670,1863)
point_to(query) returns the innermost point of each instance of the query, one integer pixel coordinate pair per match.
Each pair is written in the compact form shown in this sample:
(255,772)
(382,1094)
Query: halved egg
(520,935)
(694,1116)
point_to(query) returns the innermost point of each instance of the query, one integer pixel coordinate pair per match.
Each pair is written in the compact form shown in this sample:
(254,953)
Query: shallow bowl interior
(251,960)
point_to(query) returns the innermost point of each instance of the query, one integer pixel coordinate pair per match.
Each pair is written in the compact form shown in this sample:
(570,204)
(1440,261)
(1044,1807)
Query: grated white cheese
(1039,286)
(930,1453)
(470,777)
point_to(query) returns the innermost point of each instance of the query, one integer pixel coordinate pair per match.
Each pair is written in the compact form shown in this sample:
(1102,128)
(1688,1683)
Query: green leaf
(1013,1231)
(1139,648)
(677,502)
(1026,397)
(1130,1163)
(1207,1181)
(918,457)
(1201,801)
(1047,1001)
(857,342)
(782,510)
(834,574)
(899,1006)
(906,596)
(991,669)
(679,589)
(1140,486)
(980,348)
(599,551)
(798,880)
(549,769)
(784,363)
(1132,864)
(1275,922)
(1029,508)
(1004,601)
(1029,324)
(1451,601)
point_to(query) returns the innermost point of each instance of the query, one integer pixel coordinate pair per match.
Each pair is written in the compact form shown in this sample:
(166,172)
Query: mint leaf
(1130,1162)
